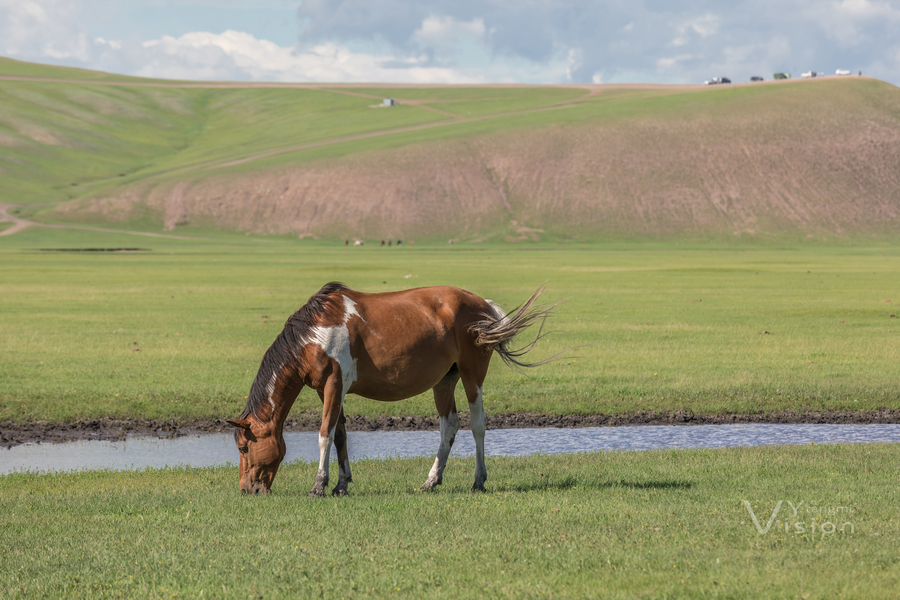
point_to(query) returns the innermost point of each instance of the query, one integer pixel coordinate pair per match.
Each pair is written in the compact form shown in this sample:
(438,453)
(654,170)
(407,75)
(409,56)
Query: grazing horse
(388,346)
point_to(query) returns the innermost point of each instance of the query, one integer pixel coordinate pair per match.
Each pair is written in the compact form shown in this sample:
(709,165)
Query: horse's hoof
(429,485)
(316,493)
(478,487)
(340,492)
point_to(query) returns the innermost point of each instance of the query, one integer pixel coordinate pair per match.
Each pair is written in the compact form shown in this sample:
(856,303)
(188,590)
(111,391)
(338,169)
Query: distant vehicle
(782,76)
(842,72)
(756,78)
(716,80)
(724,80)
(808,74)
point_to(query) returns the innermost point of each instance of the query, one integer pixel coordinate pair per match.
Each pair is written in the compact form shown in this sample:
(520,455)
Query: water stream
(138,452)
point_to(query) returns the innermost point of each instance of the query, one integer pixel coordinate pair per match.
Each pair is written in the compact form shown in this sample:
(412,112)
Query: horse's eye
(243,449)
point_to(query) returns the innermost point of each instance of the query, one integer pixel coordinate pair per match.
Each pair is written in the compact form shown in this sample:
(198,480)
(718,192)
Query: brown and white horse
(387,347)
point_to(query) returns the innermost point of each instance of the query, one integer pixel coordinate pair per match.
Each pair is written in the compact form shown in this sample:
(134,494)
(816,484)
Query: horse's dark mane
(286,348)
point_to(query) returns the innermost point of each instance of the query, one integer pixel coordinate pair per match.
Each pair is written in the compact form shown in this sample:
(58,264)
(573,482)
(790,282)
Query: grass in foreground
(661,524)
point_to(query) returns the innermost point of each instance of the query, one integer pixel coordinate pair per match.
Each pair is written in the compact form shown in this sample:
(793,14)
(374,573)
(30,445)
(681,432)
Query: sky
(457,41)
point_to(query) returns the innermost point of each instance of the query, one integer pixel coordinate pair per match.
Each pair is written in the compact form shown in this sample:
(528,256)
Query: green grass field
(179,330)
(661,524)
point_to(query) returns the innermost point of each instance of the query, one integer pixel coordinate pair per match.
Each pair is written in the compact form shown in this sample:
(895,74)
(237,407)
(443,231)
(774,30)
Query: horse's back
(450,305)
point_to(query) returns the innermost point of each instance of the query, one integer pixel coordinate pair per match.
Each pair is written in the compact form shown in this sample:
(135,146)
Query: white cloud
(447,33)
(853,22)
(669,62)
(238,55)
(42,27)
(703,26)
(863,9)
(443,50)
(573,62)
(111,43)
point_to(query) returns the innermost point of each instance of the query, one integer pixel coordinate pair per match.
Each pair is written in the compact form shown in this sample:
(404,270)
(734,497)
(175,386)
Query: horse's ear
(243,423)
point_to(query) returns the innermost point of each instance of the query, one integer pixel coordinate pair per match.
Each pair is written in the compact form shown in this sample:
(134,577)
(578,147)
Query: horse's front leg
(332,398)
(340,443)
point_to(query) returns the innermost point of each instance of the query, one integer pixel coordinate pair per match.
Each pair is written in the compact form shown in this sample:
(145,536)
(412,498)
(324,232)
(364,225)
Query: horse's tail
(497,330)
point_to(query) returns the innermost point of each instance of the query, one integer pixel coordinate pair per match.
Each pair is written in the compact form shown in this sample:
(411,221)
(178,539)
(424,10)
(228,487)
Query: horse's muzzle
(257,488)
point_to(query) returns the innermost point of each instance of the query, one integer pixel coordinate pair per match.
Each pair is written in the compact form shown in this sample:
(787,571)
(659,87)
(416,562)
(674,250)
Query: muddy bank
(13,434)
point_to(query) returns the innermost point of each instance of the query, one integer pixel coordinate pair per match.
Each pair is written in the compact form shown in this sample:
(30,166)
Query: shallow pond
(217,449)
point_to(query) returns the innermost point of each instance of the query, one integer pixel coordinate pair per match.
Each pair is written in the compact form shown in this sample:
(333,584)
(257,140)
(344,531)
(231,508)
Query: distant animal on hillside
(388,347)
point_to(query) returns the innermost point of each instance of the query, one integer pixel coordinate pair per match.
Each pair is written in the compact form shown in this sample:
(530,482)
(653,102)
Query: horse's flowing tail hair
(497,330)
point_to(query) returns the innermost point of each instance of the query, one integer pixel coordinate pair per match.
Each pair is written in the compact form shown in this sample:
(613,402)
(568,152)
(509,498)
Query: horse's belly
(390,384)
(400,374)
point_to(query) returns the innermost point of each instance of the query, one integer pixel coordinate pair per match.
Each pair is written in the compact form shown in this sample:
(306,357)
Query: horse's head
(261,447)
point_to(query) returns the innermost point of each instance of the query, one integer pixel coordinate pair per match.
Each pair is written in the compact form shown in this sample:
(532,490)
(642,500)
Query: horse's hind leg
(446,407)
(340,443)
(473,381)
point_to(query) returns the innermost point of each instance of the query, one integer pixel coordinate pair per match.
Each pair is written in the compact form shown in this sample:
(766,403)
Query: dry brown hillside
(821,163)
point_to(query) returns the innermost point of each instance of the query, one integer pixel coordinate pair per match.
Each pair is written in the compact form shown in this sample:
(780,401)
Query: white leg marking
(325,444)
(479,421)
(449,427)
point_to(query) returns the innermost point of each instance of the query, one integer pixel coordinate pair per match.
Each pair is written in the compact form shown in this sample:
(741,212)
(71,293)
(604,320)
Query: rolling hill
(790,160)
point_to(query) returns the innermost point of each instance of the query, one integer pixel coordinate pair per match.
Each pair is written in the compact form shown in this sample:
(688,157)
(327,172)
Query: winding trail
(19,224)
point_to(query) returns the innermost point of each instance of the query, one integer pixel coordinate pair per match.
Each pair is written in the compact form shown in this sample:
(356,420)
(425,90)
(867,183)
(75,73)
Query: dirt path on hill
(13,434)
(590,90)
(20,224)
(452,119)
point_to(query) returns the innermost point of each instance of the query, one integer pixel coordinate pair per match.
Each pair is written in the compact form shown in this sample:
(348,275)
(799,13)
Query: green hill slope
(816,159)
